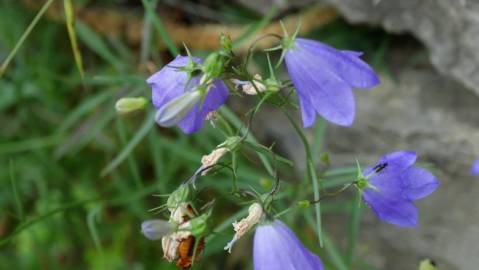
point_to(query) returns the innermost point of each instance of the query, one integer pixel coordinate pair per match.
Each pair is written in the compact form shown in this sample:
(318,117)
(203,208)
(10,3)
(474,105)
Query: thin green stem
(311,174)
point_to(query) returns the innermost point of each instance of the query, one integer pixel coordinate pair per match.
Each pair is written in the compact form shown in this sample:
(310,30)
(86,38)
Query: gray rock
(438,118)
(448,28)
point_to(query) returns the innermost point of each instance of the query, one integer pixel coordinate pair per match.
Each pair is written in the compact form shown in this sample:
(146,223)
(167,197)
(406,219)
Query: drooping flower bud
(130,104)
(255,213)
(172,112)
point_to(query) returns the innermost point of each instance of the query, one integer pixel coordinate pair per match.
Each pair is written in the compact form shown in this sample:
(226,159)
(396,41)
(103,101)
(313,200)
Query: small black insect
(380,167)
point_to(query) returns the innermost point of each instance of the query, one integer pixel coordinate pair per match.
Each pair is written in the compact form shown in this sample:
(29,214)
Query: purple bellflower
(324,78)
(276,247)
(391,185)
(475,167)
(177,99)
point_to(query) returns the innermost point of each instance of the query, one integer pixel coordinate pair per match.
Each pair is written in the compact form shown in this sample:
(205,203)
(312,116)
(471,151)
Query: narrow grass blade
(93,41)
(353,230)
(85,107)
(30,144)
(256,26)
(142,132)
(16,196)
(70,22)
(160,28)
(91,218)
(132,166)
(331,249)
(24,36)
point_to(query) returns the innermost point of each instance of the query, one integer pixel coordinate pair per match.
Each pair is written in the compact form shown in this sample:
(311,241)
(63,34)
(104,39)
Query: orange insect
(186,250)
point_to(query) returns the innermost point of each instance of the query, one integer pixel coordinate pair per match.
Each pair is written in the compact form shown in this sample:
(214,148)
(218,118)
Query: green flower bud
(304,204)
(226,42)
(362,182)
(178,196)
(427,264)
(130,104)
(213,65)
(272,85)
(324,157)
(266,183)
(199,225)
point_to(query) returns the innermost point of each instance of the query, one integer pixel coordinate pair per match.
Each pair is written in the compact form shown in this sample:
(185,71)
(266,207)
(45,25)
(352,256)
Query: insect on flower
(177,239)
(182,245)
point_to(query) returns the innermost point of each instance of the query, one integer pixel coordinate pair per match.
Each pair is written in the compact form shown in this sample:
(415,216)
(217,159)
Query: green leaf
(355,218)
(93,41)
(158,24)
(24,36)
(125,152)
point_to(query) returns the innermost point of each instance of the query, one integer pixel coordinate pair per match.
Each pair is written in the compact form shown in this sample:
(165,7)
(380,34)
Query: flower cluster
(189,90)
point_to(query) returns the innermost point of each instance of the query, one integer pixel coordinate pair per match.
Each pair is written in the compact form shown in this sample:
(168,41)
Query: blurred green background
(77,179)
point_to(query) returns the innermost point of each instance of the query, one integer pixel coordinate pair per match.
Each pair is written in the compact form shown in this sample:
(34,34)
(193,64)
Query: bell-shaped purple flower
(173,95)
(393,185)
(276,247)
(475,167)
(324,78)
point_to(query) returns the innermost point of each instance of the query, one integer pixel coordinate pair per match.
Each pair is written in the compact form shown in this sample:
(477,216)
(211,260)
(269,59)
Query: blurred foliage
(59,132)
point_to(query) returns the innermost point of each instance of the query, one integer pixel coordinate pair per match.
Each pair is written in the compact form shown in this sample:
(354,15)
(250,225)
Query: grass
(77,178)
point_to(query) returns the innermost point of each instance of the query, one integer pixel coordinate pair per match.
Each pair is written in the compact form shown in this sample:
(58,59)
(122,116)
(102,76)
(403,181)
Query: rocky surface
(448,28)
(438,118)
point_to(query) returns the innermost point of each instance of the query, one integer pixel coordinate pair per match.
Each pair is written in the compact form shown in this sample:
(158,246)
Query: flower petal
(194,119)
(330,96)
(345,64)
(155,229)
(395,162)
(276,247)
(475,167)
(308,114)
(169,82)
(398,211)
(418,183)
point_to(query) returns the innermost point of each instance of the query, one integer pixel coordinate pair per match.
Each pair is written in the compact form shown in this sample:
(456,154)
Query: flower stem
(311,174)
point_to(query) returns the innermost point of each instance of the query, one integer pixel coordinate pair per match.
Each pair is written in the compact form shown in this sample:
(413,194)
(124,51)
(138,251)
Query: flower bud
(304,204)
(213,65)
(130,104)
(226,42)
(198,225)
(172,112)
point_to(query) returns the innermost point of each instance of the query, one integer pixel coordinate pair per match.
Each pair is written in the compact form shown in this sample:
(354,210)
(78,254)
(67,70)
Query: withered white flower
(255,212)
(248,88)
(212,158)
